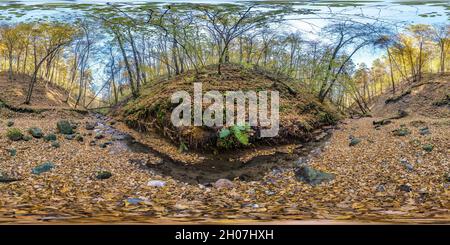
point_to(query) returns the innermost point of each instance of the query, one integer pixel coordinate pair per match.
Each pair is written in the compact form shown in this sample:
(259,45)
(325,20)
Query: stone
(50,137)
(103,175)
(223,183)
(36,132)
(133,201)
(45,167)
(428,147)
(69,136)
(99,136)
(156,183)
(6,179)
(354,141)
(64,127)
(406,164)
(27,138)
(12,152)
(90,125)
(405,188)
(79,138)
(312,176)
(55,144)
(424,131)
(381,188)
(10,123)
(402,131)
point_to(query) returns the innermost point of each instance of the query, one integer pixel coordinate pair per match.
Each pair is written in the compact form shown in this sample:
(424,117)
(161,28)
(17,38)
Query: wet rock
(103,175)
(12,152)
(90,125)
(223,183)
(14,134)
(428,147)
(36,132)
(45,167)
(64,127)
(156,183)
(354,141)
(312,176)
(405,188)
(55,144)
(10,123)
(50,137)
(424,131)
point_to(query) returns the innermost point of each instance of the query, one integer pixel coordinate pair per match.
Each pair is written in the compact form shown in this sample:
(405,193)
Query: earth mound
(300,112)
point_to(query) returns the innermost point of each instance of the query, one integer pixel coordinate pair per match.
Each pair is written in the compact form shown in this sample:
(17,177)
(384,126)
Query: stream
(216,167)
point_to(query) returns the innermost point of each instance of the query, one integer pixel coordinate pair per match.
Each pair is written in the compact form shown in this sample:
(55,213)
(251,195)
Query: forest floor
(379,176)
(384,178)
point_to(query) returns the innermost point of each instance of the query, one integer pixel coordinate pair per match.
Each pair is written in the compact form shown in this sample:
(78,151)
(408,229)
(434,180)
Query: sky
(401,12)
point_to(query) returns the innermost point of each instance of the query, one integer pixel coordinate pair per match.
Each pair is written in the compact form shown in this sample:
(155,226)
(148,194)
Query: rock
(424,131)
(27,138)
(447,177)
(406,164)
(104,145)
(312,176)
(223,183)
(405,188)
(69,136)
(301,161)
(428,147)
(133,201)
(401,114)
(92,143)
(79,138)
(402,131)
(99,136)
(270,193)
(45,167)
(10,123)
(90,125)
(64,127)
(381,188)
(50,137)
(354,141)
(12,152)
(103,175)
(14,134)
(55,144)
(36,132)
(381,122)
(6,179)
(156,183)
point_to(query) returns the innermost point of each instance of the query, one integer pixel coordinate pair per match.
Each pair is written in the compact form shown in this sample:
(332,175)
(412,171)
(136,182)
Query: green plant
(14,134)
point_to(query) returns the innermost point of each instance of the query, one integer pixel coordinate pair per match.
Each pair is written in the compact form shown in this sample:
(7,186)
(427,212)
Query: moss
(50,137)
(14,134)
(428,147)
(64,127)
